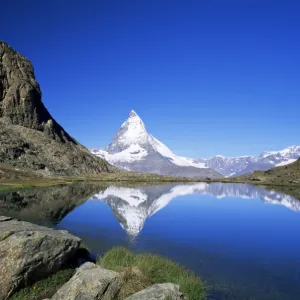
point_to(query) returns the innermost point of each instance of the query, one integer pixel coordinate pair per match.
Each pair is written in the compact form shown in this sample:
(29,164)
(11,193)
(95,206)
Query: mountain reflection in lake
(232,235)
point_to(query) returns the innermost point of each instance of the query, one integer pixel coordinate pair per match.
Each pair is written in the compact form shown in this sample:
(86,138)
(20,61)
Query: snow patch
(286,162)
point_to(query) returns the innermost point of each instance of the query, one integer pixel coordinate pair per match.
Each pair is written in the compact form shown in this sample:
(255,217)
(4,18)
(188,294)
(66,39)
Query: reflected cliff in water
(232,235)
(46,206)
(132,206)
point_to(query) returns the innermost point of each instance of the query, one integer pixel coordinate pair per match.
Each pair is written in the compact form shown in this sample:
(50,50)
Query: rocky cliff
(31,139)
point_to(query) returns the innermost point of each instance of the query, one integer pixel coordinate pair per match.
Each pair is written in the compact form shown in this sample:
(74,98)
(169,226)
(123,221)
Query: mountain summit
(132,131)
(134,149)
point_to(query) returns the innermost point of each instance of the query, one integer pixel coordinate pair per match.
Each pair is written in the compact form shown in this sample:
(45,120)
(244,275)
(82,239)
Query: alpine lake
(242,240)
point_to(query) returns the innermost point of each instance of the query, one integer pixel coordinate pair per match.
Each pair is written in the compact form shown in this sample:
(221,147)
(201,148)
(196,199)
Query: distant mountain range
(279,176)
(132,206)
(235,166)
(134,149)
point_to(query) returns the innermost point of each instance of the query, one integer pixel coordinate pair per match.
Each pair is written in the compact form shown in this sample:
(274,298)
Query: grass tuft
(142,270)
(44,288)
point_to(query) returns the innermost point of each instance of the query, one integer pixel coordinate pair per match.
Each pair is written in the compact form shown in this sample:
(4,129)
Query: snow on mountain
(234,166)
(134,149)
(132,153)
(132,206)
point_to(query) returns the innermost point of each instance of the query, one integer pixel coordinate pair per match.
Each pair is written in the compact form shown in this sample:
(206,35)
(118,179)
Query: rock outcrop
(29,252)
(31,139)
(161,291)
(21,97)
(90,282)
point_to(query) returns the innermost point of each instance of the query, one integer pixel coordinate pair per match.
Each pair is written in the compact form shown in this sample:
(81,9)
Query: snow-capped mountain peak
(132,131)
(134,149)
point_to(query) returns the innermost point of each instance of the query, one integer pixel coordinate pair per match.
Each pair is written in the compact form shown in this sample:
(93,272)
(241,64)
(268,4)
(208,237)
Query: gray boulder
(90,282)
(162,291)
(29,253)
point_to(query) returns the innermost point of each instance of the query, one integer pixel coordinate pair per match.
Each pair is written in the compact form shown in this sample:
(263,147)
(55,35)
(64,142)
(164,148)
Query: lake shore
(68,270)
(131,180)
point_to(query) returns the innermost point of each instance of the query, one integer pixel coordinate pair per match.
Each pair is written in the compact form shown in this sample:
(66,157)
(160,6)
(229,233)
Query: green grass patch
(143,270)
(44,288)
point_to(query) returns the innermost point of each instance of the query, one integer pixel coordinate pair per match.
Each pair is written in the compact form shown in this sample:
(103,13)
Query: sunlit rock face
(132,206)
(30,138)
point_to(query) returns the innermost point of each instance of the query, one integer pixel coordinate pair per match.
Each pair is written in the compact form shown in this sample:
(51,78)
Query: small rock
(162,291)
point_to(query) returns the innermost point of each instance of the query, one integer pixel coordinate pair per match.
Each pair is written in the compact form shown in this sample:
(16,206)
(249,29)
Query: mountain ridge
(235,166)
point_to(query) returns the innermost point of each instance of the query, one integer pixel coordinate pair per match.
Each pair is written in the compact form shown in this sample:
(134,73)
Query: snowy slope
(134,149)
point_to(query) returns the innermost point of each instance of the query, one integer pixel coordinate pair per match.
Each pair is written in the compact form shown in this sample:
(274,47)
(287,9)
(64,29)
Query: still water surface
(243,240)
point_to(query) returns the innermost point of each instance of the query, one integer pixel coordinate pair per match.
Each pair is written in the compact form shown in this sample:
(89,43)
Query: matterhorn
(134,149)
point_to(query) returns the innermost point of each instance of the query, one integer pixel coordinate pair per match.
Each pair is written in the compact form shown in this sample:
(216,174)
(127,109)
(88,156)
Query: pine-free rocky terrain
(31,140)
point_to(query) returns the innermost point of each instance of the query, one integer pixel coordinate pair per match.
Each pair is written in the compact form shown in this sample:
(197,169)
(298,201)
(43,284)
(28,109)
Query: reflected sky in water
(243,240)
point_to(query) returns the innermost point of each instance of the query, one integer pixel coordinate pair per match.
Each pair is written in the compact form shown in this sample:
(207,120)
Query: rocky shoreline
(29,253)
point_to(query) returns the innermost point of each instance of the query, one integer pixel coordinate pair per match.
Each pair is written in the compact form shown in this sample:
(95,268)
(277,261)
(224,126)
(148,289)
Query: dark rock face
(29,252)
(30,138)
(20,95)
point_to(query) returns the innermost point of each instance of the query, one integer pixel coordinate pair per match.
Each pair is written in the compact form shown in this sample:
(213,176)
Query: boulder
(90,282)
(30,252)
(162,291)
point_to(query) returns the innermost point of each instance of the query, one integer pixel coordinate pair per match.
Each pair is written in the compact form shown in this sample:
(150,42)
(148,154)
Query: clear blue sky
(207,77)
